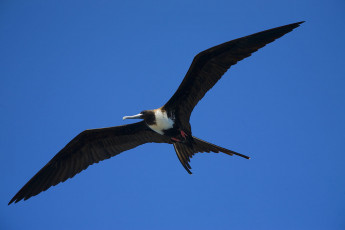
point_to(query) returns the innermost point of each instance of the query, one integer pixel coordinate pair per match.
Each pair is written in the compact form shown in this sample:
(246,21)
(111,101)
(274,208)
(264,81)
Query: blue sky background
(67,66)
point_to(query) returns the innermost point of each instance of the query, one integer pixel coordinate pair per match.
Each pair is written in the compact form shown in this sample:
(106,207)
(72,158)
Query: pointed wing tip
(298,23)
(17,198)
(14,199)
(294,25)
(286,28)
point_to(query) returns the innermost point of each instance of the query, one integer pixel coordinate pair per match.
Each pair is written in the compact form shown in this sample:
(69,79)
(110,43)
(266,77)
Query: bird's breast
(162,122)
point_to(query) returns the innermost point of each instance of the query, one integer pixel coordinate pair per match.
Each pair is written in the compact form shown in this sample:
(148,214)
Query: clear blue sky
(67,66)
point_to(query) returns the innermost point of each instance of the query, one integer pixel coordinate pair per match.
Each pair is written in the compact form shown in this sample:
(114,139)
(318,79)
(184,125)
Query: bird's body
(168,124)
(162,123)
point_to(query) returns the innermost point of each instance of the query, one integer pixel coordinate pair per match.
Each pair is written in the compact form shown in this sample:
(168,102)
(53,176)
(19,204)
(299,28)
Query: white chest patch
(162,122)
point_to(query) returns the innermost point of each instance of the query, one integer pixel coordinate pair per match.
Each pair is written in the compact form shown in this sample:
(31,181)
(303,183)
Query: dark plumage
(168,124)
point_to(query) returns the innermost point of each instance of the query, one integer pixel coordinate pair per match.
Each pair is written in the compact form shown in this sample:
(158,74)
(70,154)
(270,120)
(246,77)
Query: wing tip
(293,26)
(14,199)
(297,24)
(300,22)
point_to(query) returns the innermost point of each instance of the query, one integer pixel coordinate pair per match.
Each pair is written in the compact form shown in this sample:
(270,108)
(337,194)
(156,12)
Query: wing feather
(89,147)
(210,65)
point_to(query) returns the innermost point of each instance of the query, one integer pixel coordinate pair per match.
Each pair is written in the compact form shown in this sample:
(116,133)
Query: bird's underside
(168,124)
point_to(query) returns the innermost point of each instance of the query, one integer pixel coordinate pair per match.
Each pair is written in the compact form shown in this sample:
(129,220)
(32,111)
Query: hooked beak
(138,116)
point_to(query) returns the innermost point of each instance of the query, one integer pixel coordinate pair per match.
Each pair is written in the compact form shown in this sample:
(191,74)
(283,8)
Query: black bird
(167,124)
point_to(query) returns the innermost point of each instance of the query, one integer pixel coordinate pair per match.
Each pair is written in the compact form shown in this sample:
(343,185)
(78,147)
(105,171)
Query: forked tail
(185,152)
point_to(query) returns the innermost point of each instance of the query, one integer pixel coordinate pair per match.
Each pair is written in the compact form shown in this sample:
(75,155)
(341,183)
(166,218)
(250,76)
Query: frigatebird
(167,124)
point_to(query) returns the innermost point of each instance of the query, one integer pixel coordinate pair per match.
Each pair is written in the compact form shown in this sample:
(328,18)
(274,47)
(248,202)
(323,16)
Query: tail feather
(183,155)
(186,151)
(208,147)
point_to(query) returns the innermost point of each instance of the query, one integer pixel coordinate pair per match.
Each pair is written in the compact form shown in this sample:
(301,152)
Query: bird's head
(145,115)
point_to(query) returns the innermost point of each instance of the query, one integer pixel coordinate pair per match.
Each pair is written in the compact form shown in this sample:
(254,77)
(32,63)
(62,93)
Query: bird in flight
(167,124)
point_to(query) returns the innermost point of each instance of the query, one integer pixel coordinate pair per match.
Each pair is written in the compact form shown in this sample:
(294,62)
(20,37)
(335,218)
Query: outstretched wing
(210,65)
(89,147)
